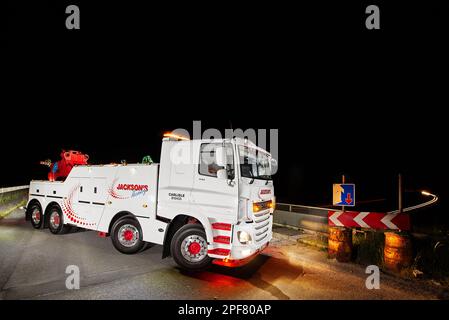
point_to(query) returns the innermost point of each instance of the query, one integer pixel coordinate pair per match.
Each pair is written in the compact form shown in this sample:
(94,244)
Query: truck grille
(262,225)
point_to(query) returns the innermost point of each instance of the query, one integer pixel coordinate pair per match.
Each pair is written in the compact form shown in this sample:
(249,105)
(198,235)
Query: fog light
(244,237)
(246,253)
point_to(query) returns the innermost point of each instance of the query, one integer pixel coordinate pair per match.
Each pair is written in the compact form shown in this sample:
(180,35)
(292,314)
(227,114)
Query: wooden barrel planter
(398,252)
(340,244)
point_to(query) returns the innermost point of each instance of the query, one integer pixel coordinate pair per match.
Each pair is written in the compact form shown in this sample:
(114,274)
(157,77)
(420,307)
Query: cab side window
(208,165)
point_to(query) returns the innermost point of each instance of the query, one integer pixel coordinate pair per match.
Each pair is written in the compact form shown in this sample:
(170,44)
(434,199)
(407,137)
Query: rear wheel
(126,236)
(36,216)
(189,248)
(56,221)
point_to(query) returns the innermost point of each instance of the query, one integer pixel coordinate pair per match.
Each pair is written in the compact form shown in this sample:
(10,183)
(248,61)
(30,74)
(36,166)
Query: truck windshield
(254,164)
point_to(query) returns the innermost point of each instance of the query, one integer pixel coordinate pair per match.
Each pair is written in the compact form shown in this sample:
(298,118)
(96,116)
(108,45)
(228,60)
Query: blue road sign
(344,195)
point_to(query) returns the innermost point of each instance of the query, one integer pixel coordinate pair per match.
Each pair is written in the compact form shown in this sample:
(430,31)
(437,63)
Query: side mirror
(273,166)
(222,174)
(220,156)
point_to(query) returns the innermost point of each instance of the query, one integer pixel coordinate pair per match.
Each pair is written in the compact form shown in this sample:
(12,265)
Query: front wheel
(189,248)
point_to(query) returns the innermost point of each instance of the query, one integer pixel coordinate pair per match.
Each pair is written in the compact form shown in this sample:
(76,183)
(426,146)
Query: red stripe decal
(221,226)
(222,239)
(220,252)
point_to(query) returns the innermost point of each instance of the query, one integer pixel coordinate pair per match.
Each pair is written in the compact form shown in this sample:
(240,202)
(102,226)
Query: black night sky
(344,100)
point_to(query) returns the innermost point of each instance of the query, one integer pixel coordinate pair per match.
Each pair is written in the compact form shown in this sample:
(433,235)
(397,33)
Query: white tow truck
(207,201)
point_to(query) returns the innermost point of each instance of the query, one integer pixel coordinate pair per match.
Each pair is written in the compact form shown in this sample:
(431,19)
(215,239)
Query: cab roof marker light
(175,136)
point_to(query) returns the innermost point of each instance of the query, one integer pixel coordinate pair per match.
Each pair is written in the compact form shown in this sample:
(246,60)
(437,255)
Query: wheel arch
(31,203)
(120,215)
(179,221)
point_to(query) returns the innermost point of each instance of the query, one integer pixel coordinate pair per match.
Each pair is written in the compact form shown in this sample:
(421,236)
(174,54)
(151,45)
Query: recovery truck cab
(206,201)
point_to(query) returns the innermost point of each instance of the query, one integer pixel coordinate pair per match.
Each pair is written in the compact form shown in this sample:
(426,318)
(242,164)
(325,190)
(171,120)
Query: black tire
(34,211)
(119,236)
(56,228)
(190,231)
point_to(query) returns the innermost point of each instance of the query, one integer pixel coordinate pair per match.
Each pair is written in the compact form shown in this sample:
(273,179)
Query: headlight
(244,237)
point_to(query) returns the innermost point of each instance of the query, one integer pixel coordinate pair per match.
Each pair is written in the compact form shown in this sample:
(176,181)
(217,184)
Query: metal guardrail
(302,209)
(12,198)
(302,217)
(11,189)
(419,206)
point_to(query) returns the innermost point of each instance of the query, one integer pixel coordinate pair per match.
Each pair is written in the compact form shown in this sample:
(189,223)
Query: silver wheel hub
(55,220)
(36,216)
(128,235)
(194,248)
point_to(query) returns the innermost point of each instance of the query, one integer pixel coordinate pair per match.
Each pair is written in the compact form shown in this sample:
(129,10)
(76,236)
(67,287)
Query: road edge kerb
(4,214)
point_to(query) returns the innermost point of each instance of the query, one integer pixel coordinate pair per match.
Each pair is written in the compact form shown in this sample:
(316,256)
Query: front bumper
(258,236)
(232,263)
(261,234)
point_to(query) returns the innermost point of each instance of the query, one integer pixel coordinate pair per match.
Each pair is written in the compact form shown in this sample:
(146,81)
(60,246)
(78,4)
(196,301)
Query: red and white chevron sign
(371,220)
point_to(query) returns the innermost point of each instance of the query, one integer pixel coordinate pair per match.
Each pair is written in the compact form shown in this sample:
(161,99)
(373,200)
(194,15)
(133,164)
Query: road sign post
(340,236)
(398,250)
(400,193)
(343,181)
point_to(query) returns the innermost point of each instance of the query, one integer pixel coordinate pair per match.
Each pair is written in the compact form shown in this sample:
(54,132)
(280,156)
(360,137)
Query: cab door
(211,195)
